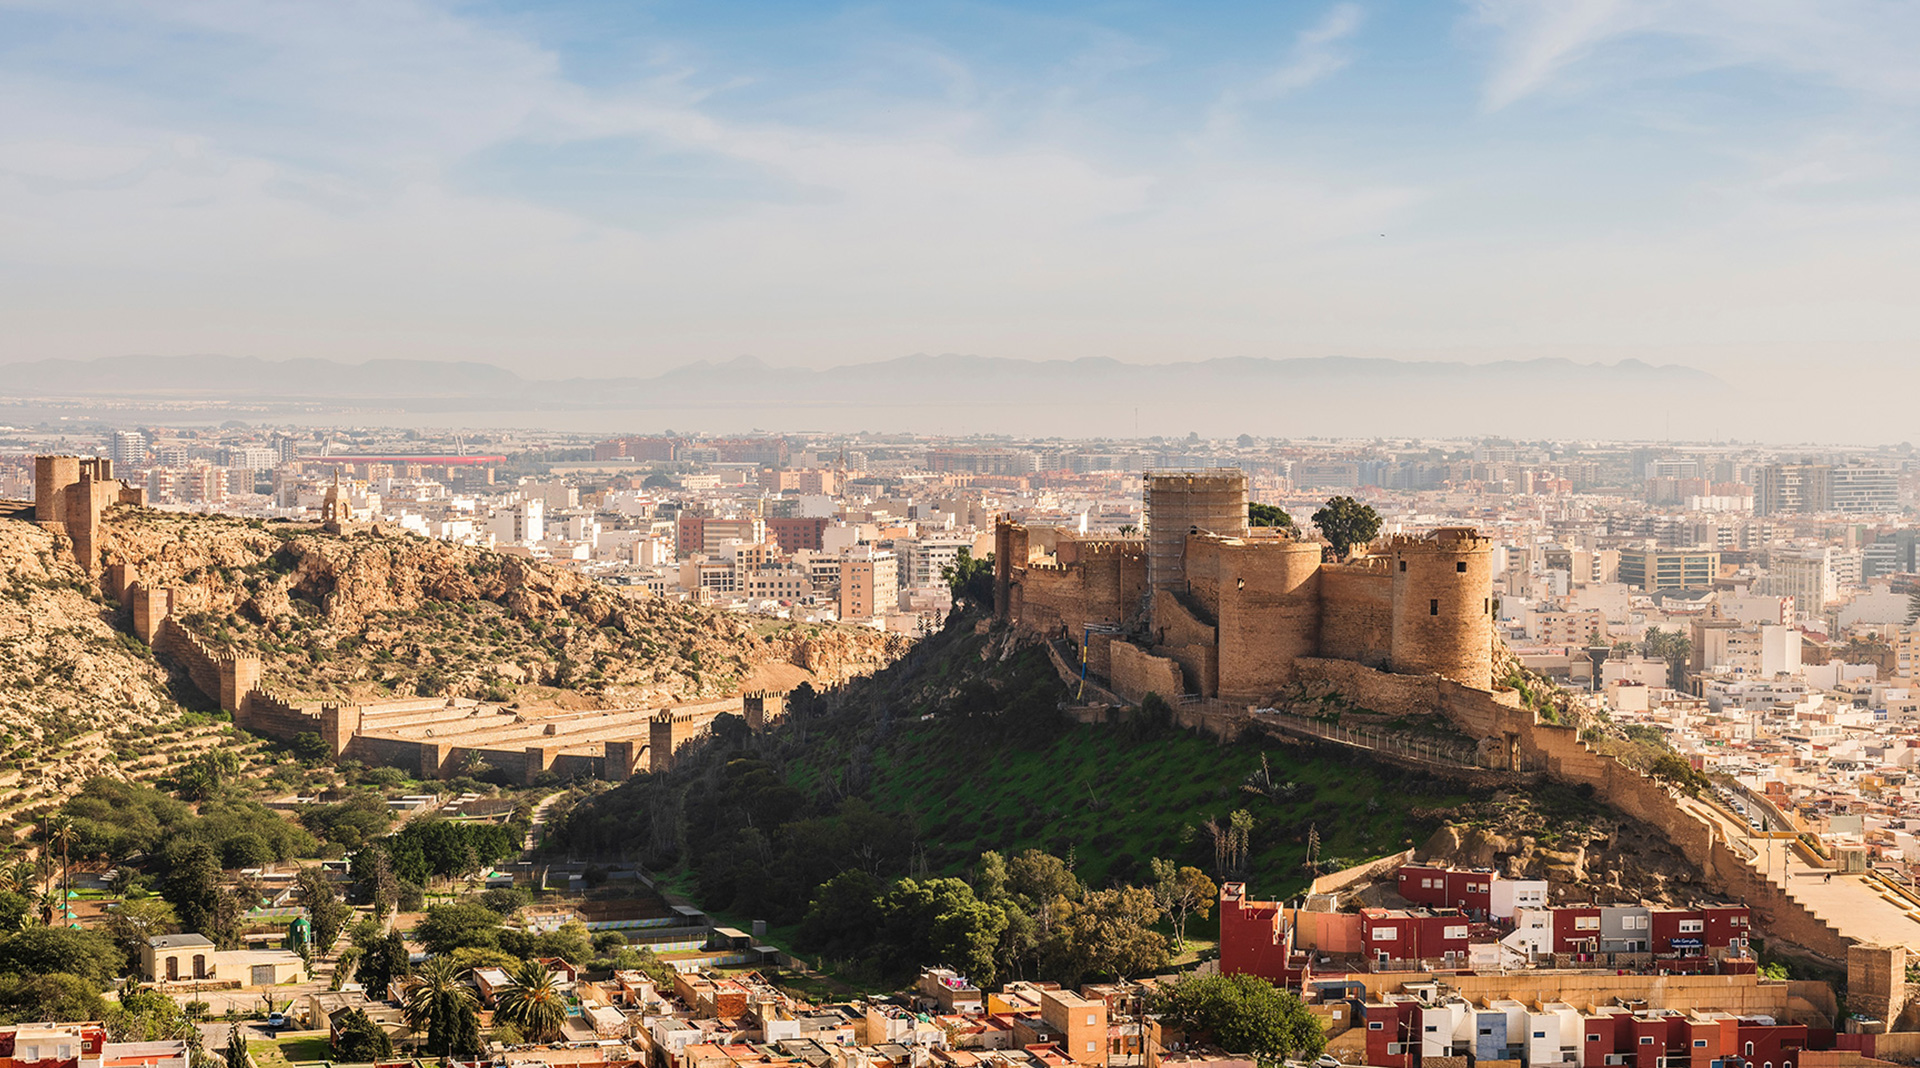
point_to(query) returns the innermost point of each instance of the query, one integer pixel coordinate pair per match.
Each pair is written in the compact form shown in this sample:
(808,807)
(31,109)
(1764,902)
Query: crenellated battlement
(1231,610)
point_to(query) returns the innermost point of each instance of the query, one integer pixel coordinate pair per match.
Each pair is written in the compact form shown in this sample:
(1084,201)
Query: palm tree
(533,1004)
(59,830)
(439,1003)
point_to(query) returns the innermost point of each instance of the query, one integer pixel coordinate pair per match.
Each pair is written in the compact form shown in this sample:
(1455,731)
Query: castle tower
(1010,550)
(1178,503)
(51,477)
(1443,606)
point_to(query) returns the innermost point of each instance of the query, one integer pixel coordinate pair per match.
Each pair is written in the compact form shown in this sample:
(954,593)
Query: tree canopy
(1346,523)
(970,580)
(1242,1014)
(1268,515)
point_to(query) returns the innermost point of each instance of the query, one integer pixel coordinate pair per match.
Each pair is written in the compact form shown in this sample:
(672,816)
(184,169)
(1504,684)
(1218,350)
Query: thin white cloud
(1860,45)
(1315,56)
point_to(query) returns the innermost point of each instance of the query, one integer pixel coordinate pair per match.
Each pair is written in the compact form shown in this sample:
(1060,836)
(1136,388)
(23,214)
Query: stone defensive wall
(1513,738)
(434,737)
(1238,610)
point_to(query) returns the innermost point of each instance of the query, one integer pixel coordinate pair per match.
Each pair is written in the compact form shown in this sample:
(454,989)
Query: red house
(1576,930)
(1471,891)
(1393,1032)
(1412,935)
(1256,940)
(1771,1045)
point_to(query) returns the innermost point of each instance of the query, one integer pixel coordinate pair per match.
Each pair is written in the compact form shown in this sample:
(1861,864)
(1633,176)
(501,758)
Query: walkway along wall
(1514,738)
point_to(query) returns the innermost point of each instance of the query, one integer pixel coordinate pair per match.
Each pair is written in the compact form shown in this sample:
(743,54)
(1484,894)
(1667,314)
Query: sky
(625,187)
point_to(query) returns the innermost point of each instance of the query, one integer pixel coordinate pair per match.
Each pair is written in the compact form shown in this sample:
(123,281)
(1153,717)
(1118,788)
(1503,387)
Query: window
(1385,934)
(1090,1019)
(1433,607)
(1539,1034)
(1691,926)
(1699,1043)
(1593,1038)
(1646,1040)
(1454,932)
(1586,923)
(1373,1025)
(1461,567)
(1403,565)
(1485,1031)
(1090,1046)
(1749,1049)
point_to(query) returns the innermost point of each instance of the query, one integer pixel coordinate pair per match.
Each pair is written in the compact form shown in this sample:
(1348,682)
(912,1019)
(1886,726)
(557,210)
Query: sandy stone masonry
(1231,611)
(434,737)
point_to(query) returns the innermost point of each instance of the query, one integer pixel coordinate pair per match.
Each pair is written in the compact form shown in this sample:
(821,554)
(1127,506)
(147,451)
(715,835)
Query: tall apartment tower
(129,449)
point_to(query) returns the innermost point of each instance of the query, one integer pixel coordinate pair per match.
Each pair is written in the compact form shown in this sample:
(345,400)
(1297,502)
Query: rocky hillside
(367,616)
(1583,851)
(78,698)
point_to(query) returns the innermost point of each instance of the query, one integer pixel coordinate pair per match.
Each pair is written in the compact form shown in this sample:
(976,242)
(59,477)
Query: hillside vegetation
(366,616)
(78,698)
(960,748)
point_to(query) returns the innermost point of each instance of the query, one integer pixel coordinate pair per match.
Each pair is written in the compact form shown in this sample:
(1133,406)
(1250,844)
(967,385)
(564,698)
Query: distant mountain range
(1093,396)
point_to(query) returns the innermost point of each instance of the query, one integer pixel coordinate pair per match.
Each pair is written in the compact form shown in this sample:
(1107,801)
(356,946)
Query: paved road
(1851,903)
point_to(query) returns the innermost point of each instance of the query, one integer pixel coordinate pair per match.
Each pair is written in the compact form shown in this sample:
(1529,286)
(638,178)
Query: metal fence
(1424,750)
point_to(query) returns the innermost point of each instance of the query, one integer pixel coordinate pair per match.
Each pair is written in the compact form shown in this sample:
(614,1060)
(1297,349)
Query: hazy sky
(626,186)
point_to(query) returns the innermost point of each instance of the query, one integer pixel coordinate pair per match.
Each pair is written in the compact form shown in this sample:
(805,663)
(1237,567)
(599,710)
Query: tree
(1345,523)
(193,886)
(1106,932)
(532,1003)
(1040,881)
(941,921)
(46,950)
(59,832)
(1268,515)
(1241,1013)
(383,961)
(134,921)
(844,913)
(440,1005)
(969,580)
(1673,647)
(328,913)
(358,1040)
(49,996)
(236,1055)
(450,927)
(1178,891)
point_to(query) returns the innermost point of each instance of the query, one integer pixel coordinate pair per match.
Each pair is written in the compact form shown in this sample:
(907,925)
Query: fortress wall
(1137,673)
(1097,582)
(579,766)
(1515,738)
(1050,600)
(277,718)
(1189,640)
(1270,603)
(171,640)
(1739,994)
(1010,549)
(386,752)
(1356,613)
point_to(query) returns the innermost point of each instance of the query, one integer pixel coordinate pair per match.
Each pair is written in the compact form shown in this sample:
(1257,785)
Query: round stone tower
(1443,606)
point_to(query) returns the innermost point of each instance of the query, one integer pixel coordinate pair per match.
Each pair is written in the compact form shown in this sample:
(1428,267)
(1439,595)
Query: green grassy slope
(1117,799)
